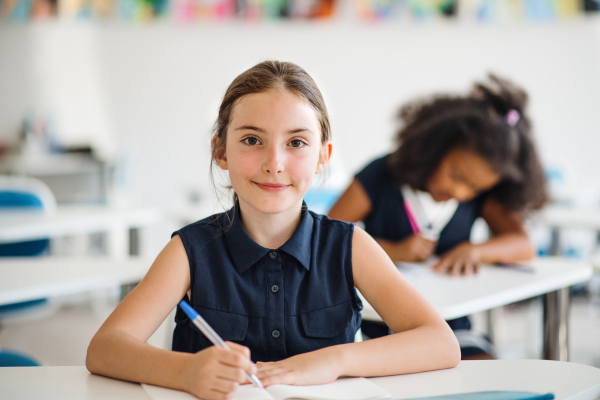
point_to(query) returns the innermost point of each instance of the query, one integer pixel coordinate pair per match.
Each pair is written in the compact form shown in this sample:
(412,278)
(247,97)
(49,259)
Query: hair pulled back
(477,122)
(265,76)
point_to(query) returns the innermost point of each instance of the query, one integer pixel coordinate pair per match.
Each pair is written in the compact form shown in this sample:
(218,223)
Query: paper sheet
(341,389)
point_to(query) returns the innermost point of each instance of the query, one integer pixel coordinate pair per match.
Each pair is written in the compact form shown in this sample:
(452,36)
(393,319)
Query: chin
(275,206)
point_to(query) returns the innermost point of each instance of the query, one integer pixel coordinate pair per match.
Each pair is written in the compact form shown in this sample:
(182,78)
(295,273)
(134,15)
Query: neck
(270,230)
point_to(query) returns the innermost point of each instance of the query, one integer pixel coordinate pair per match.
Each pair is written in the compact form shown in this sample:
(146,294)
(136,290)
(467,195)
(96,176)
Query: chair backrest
(25,193)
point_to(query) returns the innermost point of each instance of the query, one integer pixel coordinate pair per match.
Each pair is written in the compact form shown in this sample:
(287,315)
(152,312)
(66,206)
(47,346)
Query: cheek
(303,165)
(242,164)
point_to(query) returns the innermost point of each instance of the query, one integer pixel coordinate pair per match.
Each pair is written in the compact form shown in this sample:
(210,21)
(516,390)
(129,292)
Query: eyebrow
(257,129)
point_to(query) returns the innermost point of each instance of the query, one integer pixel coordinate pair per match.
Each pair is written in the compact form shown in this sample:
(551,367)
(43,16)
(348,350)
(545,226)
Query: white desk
(16,226)
(455,297)
(23,279)
(565,380)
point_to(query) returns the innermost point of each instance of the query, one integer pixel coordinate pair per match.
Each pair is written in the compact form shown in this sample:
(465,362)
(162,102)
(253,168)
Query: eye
(297,143)
(250,141)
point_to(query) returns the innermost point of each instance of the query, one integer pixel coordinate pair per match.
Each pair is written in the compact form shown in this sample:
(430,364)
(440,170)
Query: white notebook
(341,389)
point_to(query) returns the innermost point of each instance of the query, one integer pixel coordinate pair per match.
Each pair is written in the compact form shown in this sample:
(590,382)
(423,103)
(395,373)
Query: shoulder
(331,225)
(217,223)
(331,233)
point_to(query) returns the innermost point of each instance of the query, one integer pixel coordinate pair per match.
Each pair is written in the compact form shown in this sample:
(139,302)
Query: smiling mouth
(272,187)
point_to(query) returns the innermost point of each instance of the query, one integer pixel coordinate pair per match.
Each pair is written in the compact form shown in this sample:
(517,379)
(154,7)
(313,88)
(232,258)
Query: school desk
(31,278)
(566,380)
(16,226)
(455,297)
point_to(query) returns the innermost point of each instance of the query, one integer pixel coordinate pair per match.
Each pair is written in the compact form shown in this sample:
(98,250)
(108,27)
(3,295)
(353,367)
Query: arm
(354,205)
(119,348)
(422,340)
(509,242)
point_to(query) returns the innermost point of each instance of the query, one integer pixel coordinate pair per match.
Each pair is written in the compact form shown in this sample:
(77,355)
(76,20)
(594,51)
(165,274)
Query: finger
(442,265)
(476,267)
(223,387)
(265,373)
(468,268)
(233,359)
(456,267)
(285,378)
(266,366)
(230,374)
(238,348)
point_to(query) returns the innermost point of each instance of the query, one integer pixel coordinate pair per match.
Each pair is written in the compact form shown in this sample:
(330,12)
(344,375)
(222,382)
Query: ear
(221,156)
(326,150)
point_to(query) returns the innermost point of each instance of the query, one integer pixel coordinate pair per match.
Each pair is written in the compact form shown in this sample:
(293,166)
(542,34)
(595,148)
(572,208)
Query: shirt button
(273,255)
(274,288)
(275,333)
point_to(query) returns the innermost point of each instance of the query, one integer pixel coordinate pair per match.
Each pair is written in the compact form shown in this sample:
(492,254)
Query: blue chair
(19,193)
(14,359)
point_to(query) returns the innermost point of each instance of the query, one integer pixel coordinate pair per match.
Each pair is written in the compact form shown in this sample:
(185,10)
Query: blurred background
(110,104)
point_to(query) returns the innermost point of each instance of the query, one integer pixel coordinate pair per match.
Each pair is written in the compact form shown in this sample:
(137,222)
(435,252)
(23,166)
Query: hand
(313,368)
(215,373)
(414,248)
(463,259)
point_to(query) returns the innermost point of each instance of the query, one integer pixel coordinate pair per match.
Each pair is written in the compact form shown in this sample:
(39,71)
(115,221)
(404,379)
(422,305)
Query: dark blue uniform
(278,302)
(388,220)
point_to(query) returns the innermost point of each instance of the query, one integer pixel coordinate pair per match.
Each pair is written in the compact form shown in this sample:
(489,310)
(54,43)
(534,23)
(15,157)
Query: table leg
(554,249)
(556,315)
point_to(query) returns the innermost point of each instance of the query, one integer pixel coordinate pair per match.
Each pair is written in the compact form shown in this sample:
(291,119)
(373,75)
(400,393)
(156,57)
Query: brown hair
(268,75)
(476,122)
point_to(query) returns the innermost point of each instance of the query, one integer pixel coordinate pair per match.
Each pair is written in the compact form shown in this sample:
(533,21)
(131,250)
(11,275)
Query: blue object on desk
(496,395)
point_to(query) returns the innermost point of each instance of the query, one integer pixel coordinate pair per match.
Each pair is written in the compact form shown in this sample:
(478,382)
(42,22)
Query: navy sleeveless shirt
(388,220)
(277,302)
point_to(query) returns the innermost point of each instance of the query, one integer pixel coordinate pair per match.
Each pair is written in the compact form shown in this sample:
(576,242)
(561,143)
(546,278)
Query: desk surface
(455,297)
(33,278)
(566,380)
(18,226)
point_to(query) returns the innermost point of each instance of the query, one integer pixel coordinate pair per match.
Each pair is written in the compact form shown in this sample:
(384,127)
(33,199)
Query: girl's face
(462,174)
(273,150)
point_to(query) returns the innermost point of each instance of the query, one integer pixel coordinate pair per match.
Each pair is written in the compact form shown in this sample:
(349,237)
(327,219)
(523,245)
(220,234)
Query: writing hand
(463,259)
(414,248)
(215,373)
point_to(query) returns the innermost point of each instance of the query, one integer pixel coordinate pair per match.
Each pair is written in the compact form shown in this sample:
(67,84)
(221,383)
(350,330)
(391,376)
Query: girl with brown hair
(273,279)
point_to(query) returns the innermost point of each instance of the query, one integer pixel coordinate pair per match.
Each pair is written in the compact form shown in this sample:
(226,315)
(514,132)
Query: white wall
(154,89)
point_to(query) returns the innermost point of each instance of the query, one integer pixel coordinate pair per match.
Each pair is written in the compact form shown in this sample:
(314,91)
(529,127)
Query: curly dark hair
(476,122)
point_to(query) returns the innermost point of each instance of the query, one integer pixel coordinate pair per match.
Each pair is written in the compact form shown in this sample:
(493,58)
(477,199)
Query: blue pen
(211,335)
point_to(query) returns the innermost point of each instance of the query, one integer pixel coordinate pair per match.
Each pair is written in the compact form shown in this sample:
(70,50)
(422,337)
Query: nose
(274,160)
(463,193)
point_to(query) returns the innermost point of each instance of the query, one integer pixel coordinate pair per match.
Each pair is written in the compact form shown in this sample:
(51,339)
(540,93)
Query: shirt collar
(299,245)
(245,252)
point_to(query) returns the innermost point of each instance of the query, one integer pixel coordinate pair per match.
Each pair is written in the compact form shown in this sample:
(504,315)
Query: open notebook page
(341,389)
